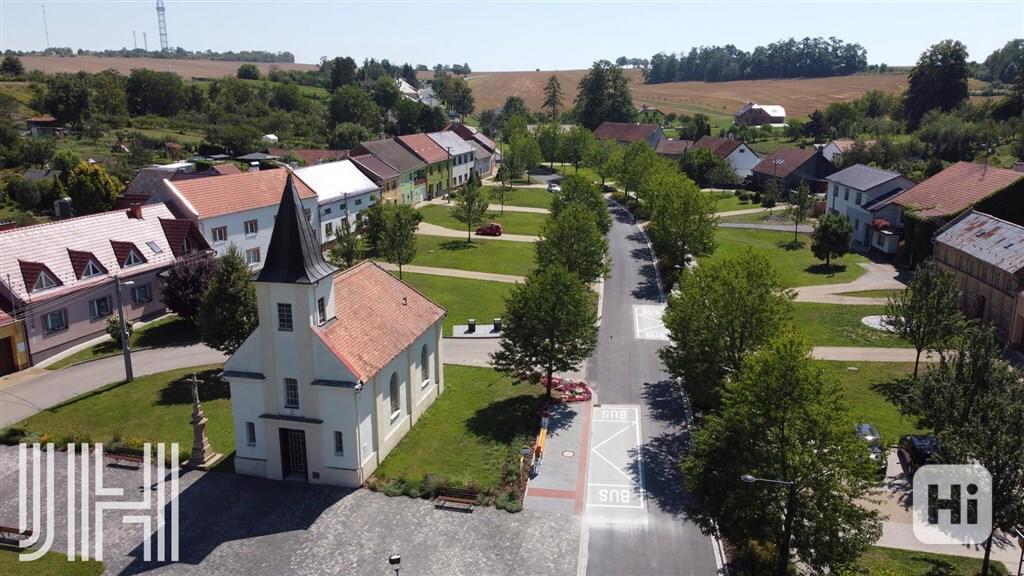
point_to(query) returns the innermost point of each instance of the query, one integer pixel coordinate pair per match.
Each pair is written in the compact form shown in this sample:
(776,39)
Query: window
(186,245)
(44,282)
(321,310)
(284,317)
(327,210)
(291,393)
(339,444)
(220,234)
(858,198)
(142,293)
(99,307)
(252,256)
(54,321)
(424,366)
(91,269)
(133,259)
(359,201)
(156,247)
(251,227)
(329,230)
(394,391)
(250,433)
(846,194)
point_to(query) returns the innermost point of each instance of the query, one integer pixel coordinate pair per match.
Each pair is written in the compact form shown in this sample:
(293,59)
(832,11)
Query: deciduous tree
(605,158)
(576,144)
(398,237)
(572,240)
(831,238)
(470,207)
(91,188)
(938,80)
(348,247)
(636,164)
(683,223)
(353,104)
(927,313)
(800,203)
(604,96)
(228,313)
(578,190)
(185,284)
(549,139)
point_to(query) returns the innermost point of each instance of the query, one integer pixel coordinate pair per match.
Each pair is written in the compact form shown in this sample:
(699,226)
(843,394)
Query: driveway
(877,276)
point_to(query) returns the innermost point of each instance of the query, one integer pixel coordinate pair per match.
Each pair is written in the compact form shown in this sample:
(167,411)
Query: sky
(511,35)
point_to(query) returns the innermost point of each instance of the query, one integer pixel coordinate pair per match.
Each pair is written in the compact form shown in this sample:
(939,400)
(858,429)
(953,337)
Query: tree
(549,138)
(343,72)
(228,313)
(831,238)
(514,106)
(12,66)
(348,135)
(699,165)
(683,224)
(553,97)
(800,203)
(576,144)
(432,118)
(572,240)
(386,93)
(604,157)
(37,151)
(523,154)
(67,97)
(348,247)
(927,313)
(353,104)
(113,329)
(939,80)
(816,127)
(91,189)
(709,339)
(790,418)
(157,93)
(460,96)
(470,207)
(504,176)
(578,190)
(185,284)
(23,191)
(248,72)
(636,164)
(398,236)
(603,96)
(549,326)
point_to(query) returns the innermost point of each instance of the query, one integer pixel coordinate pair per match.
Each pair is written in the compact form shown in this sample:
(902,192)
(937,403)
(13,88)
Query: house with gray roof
(412,182)
(855,192)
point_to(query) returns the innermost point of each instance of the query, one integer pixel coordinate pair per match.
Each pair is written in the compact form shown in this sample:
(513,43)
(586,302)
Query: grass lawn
(154,408)
(727,202)
(479,423)
(878,560)
(525,223)
(569,170)
(872,293)
(497,256)
(835,325)
(167,331)
(797,266)
(462,298)
(51,564)
(865,404)
(528,197)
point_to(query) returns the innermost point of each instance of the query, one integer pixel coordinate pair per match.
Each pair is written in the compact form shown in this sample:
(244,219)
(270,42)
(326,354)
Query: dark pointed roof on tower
(294,255)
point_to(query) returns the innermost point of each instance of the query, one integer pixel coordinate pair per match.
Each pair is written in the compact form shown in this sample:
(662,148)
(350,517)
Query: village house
(673,149)
(740,156)
(650,115)
(483,159)
(59,277)
(342,192)
(834,150)
(309,156)
(381,174)
(486,153)
(460,154)
(437,161)
(853,192)
(407,90)
(986,255)
(340,367)
(412,180)
(626,133)
(751,114)
(235,210)
(45,125)
(792,167)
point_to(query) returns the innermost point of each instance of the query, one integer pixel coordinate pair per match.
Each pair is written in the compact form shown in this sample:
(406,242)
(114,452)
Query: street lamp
(396,561)
(125,346)
(787,527)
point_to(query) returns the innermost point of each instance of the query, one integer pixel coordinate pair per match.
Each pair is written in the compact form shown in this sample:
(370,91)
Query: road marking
(648,322)
(615,482)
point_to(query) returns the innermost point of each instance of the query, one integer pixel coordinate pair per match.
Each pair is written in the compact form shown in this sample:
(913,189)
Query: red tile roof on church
(378,317)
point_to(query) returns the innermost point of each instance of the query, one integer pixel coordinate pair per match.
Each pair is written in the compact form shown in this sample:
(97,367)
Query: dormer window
(91,269)
(44,282)
(133,259)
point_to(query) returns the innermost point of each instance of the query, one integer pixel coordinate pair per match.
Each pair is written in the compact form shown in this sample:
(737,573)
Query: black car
(876,453)
(916,450)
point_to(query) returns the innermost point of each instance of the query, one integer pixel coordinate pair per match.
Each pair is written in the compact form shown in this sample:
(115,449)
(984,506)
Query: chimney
(135,211)
(254,166)
(1018,166)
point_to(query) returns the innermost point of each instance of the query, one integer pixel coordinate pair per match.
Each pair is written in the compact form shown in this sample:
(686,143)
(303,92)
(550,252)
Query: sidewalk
(878,277)
(427,229)
(560,485)
(494,207)
(453,272)
(866,354)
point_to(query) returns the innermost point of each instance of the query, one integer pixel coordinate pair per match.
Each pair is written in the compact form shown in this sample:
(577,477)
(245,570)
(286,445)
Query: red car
(492,229)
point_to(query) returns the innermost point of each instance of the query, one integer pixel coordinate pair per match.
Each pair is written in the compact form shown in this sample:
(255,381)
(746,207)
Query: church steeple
(294,255)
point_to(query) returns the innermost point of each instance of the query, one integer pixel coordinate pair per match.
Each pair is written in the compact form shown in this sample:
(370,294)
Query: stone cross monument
(203,456)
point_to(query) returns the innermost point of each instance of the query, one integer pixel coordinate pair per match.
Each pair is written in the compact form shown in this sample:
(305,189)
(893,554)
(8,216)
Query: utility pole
(135,41)
(125,345)
(46,29)
(145,42)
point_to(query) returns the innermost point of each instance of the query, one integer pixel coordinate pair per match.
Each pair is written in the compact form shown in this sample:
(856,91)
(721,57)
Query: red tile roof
(955,189)
(422,146)
(721,147)
(80,259)
(792,158)
(624,132)
(378,316)
(311,156)
(177,230)
(668,147)
(237,193)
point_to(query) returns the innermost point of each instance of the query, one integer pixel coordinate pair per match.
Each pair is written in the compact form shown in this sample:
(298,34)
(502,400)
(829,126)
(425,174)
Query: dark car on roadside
(875,451)
(915,451)
(492,229)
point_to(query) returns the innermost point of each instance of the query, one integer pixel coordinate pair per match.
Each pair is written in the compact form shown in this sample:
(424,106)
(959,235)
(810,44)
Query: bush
(13,435)
(114,328)
(24,192)
(508,501)
(74,436)
(396,488)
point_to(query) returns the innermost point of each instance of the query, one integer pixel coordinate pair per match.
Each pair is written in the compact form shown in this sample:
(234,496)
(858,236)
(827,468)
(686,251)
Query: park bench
(12,536)
(127,455)
(457,498)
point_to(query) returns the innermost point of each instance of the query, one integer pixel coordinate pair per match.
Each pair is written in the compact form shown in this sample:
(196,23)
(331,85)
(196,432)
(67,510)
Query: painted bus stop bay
(615,479)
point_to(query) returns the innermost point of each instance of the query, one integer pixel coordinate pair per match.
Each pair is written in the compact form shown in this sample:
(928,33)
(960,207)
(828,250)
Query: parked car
(554,188)
(492,229)
(916,450)
(876,453)
(608,188)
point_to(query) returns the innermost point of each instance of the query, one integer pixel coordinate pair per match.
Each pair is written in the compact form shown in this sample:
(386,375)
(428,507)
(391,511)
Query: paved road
(658,538)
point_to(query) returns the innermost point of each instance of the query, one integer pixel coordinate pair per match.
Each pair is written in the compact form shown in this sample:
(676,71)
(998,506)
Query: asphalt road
(626,370)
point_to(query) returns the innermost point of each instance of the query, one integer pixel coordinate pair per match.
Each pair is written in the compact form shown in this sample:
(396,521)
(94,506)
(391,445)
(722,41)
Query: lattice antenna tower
(162,21)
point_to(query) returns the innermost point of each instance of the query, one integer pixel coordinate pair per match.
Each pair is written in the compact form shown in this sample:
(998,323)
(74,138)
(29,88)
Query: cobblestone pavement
(235,525)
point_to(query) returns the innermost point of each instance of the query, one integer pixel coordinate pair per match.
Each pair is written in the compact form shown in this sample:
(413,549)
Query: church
(340,367)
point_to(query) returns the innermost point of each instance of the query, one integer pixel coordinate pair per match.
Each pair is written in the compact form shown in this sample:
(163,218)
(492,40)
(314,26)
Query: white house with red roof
(59,276)
(340,367)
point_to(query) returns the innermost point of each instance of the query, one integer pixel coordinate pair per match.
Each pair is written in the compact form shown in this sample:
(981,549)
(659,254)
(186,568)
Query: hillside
(185,68)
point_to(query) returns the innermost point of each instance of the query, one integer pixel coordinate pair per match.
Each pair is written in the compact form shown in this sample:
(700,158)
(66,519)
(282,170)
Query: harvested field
(185,68)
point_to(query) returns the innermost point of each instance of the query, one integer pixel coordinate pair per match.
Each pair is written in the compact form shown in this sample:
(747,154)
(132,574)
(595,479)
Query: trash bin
(497,324)
(471,326)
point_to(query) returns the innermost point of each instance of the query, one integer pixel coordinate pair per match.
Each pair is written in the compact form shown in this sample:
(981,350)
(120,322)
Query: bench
(457,498)
(127,455)
(12,536)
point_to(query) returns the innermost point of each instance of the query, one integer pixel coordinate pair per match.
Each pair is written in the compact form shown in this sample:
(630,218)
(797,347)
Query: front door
(293,454)
(979,307)
(7,364)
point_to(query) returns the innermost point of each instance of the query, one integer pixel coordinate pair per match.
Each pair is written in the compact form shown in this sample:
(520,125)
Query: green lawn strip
(51,564)
(570,170)
(872,293)
(797,266)
(840,325)
(525,223)
(170,330)
(478,423)
(892,561)
(755,218)
(728,202)
(154,408)
(462,298)
(869,406)
(527,197)
(497,256)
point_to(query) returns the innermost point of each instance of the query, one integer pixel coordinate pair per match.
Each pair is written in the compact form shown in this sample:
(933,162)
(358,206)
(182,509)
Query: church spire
(294,255)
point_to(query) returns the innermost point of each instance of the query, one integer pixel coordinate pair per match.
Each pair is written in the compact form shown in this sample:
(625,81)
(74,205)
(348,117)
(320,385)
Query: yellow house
(13,347)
